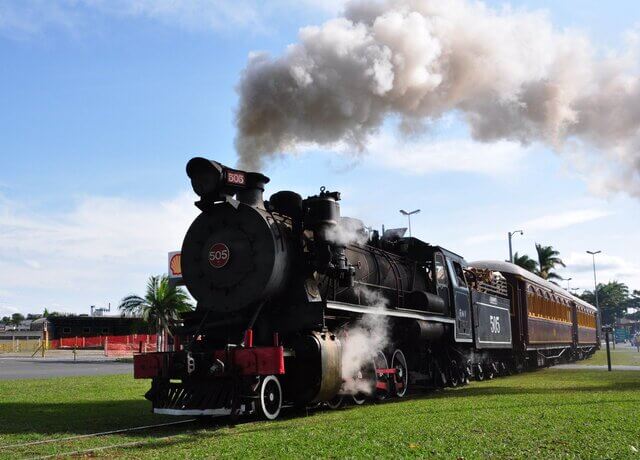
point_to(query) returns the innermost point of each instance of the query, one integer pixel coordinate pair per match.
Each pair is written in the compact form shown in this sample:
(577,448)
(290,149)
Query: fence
(117,345)
(112,345)
(19,345)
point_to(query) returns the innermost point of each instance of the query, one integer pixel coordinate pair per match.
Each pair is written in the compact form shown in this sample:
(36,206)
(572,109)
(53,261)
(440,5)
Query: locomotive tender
(283,286)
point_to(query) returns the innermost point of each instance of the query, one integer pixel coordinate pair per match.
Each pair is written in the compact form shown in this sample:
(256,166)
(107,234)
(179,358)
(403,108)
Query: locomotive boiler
(298,305)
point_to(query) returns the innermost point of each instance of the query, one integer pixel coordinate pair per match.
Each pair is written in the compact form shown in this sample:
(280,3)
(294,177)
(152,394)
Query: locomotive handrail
(398,313)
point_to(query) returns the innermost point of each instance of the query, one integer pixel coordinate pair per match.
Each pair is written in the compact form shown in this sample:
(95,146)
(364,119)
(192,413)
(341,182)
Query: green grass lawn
(550,413)
(621,356)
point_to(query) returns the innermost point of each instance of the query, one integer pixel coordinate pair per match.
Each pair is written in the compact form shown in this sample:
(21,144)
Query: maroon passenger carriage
(548,323)
(284,286)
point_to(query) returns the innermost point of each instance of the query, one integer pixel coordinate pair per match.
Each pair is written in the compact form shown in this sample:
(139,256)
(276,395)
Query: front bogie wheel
(336,402)
(269,400)
(359,399)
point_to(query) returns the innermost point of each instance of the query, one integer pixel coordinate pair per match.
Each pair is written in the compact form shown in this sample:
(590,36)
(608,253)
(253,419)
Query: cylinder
(252,193)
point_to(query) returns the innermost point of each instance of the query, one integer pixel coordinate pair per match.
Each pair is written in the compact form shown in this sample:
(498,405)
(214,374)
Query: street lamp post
(409,214)
(567,280)
(595,292)
(595,282)
(510,248)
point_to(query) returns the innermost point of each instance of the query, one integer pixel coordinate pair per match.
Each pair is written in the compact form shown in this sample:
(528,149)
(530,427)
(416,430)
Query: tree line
(16,318)
(614,298)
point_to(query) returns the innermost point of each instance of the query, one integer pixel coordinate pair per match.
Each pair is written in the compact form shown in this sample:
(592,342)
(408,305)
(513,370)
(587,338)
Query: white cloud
(608,268)
(428,156)
(546,223)
(457,155)
(101,250)
(580,262)
(194,14)
(7,311)
(564,219)
(24,18)
(29,17)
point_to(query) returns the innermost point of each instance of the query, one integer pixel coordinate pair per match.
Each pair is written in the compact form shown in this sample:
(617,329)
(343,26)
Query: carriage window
(441,272)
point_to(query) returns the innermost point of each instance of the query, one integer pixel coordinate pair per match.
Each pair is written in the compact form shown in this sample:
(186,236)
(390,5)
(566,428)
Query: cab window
(441,272)
(459,273)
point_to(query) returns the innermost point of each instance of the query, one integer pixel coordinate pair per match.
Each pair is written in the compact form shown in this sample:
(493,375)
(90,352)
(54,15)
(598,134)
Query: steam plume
(361,343)
(508,73)
(348,231)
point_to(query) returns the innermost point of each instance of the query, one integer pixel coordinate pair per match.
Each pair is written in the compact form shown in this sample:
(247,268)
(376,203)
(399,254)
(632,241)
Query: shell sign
(175,267)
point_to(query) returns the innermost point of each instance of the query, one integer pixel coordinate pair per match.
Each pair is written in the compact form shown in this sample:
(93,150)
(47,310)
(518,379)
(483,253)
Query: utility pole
(409,214)
(510,247)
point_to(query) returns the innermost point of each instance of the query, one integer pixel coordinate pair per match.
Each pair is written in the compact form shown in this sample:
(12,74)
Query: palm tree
(162,304)
(548,259)
(613,298)
(525,262)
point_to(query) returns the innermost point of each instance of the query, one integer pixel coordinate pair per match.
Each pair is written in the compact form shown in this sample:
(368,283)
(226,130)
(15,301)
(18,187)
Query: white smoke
(348,231)
(361,343)
(508,73)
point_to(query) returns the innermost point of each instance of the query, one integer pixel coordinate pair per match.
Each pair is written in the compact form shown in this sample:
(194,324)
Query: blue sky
(102,104)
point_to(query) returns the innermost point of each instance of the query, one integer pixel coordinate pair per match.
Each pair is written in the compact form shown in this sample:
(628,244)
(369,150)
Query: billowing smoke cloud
(361,343)
(508,73)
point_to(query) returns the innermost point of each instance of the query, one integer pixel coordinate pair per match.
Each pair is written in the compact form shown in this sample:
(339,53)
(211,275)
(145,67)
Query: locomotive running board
(386,312)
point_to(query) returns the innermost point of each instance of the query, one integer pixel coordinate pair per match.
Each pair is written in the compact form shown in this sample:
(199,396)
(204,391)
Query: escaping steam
(508,73)
(348,231)
(361,342)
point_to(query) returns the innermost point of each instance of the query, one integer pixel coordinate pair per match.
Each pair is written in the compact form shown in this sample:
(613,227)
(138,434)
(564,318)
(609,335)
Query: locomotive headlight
(206,176)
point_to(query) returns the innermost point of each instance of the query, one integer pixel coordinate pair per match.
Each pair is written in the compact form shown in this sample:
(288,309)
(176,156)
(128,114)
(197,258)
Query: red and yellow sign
(175,266)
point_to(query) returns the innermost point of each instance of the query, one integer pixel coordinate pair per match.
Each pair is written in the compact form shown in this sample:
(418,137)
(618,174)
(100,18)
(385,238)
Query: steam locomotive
(298,305)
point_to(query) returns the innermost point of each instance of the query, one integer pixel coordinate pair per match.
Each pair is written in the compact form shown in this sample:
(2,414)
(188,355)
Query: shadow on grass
(540,396)
(85,417)
(480,389)
(77,417)
(91,417)
(212,432)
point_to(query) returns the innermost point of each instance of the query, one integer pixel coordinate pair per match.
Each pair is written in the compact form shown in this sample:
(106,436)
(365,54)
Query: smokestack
(253,192)
(509,74)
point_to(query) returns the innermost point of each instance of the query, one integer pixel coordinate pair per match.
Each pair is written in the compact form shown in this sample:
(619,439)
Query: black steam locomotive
(297,305)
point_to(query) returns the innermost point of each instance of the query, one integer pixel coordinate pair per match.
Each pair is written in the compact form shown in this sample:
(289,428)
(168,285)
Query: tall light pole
(510,249)
(595,282)
(567,280)
(409,214)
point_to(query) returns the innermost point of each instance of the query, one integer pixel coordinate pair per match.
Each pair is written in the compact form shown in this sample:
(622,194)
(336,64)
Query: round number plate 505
(219,255)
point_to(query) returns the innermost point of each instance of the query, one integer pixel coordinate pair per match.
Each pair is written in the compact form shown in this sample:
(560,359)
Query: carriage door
(442,280)
(462,302)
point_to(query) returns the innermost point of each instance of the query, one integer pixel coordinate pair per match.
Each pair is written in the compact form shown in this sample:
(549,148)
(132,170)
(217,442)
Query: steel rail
(112,446)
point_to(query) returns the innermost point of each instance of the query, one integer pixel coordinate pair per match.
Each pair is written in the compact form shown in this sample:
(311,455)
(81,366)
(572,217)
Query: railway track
(91,450)
(15,449)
